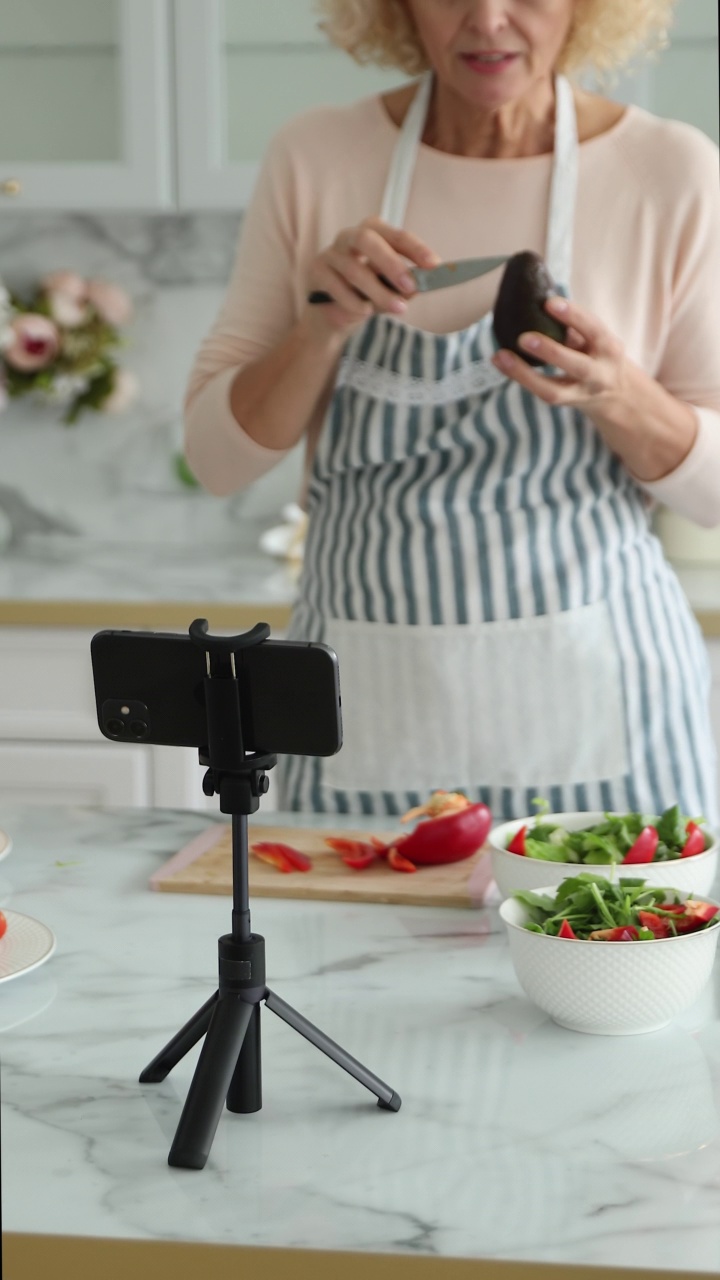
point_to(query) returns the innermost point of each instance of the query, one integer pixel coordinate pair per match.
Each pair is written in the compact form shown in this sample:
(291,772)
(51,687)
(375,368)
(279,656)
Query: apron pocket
(526,702)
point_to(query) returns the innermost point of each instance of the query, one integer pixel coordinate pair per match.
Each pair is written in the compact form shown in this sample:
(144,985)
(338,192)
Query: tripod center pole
(241,888)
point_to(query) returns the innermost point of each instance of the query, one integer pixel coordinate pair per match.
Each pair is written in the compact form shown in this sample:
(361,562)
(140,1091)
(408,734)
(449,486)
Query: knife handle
(319,296)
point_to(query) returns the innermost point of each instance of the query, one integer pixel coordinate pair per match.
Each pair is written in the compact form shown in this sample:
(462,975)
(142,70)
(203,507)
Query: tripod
(229,1067)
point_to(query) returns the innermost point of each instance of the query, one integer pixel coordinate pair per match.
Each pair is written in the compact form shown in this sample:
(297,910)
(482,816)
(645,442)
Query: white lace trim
(402,388)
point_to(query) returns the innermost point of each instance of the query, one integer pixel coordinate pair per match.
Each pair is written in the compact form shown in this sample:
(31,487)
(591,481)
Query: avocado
(524,289)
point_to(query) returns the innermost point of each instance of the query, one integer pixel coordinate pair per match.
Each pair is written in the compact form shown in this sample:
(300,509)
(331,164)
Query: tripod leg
(210,1083)
(388,1100)
(245,1092)
(180,1044)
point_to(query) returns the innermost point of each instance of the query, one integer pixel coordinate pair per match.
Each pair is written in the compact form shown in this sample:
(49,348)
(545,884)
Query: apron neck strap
(563,190)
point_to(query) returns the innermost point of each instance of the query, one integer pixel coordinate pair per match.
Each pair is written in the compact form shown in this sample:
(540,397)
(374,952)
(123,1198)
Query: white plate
(26,944)
(5,845)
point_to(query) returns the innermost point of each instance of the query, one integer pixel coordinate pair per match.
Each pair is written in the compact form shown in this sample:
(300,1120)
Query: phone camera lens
(138,728)
(115,727)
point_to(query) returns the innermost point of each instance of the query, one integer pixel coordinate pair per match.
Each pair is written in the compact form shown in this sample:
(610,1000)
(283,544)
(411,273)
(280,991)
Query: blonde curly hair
(604,36)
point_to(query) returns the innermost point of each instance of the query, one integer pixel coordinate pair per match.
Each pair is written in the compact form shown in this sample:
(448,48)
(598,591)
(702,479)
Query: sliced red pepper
(621,933)
(677,908)
(451,838)
(517,845)
(3,924)
(282,856)
(276,859)
(658,925)
(644,847)
(695,842)
(566,930)
(360,862)
(399,863)
(702,911)
(356,854)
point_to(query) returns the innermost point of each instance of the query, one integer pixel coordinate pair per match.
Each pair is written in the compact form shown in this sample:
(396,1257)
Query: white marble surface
(95,512)
(516,1139)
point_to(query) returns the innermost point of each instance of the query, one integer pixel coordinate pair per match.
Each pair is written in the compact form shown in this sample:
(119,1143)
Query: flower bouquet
(61,344)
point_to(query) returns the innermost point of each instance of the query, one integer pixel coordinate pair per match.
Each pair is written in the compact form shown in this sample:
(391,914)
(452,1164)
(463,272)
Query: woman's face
(462,39)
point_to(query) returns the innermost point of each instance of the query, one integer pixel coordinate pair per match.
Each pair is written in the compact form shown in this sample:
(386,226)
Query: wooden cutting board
(205,866)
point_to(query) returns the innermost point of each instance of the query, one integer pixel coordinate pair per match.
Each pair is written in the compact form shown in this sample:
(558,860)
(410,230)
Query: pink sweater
(646,262)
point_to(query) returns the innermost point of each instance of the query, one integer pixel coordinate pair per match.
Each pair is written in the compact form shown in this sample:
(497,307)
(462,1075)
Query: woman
(479,551)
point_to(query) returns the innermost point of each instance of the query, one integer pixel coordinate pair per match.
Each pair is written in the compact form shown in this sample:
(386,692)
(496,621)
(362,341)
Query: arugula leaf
(671,827)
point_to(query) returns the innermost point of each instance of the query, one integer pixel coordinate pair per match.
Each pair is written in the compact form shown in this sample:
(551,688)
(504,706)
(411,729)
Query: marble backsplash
(175,268)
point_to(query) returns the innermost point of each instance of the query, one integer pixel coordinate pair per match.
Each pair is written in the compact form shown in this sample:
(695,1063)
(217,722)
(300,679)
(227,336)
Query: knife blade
(440,277)
(449,273)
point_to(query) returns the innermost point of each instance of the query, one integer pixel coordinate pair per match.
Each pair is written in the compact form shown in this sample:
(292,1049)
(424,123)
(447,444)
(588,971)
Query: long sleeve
(257,311)
(690,367)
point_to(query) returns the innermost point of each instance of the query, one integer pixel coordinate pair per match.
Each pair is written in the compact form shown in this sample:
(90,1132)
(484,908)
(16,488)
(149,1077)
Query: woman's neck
(524,127)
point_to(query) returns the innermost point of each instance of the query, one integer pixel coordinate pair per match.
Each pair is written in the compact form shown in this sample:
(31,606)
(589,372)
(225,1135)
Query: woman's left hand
(648,428)
(595,372)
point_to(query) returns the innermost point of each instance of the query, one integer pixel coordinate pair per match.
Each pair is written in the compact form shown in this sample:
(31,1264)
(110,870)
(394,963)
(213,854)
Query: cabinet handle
(11,187)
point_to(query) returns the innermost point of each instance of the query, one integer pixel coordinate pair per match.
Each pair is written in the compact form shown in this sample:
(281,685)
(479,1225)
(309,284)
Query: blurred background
(130,137)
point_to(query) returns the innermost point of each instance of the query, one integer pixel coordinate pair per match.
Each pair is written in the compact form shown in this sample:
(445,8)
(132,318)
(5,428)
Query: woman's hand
(647,427)
(350,269)
(593,364)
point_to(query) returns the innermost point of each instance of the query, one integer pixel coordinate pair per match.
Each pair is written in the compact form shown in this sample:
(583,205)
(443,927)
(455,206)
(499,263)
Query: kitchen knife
(427,278)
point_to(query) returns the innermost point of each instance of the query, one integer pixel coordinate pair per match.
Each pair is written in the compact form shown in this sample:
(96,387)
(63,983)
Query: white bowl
(609,988)
(512,871)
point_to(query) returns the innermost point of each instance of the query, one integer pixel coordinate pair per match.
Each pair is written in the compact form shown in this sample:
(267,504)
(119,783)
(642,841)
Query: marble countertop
(517,1140)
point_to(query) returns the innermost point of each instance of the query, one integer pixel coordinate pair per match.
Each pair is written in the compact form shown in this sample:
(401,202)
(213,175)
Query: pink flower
(34,343)
(65,311)
(125,389)
(110,301)
(68,283)
(66,293)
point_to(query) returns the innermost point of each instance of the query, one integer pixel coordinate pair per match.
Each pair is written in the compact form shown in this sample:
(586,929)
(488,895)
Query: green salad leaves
(625,910)
(611,840)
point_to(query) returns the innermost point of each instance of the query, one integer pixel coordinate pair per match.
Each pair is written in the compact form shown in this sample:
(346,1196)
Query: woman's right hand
(350,269)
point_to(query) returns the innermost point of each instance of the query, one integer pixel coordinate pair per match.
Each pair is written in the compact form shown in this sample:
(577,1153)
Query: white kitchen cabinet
(243,69)
(159,104)
(85,104)
(51,749)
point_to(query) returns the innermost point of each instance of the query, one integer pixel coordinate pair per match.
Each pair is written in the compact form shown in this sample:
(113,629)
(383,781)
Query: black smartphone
(150,687)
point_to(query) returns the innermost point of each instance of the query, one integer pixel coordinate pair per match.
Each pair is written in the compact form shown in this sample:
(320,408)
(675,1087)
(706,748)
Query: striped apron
(505,621)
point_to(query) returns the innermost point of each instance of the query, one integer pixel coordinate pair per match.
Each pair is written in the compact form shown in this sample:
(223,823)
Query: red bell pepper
(700,911)
(566,930)
(3,924)
(282,856)
(399,863)
(695,842)
(621,933)
(644,847)
(355,853)
(447,838)
(517,844)
(659,926)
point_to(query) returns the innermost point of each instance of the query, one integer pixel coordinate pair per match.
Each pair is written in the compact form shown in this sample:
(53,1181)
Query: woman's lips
(490,66)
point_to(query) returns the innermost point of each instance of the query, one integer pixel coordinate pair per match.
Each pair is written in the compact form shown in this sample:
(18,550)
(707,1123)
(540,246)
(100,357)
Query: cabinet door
(84,104)
(71,773)
(243,69)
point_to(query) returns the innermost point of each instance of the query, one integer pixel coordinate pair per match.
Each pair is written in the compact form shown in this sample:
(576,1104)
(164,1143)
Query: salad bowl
(512,871)
(609,988)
